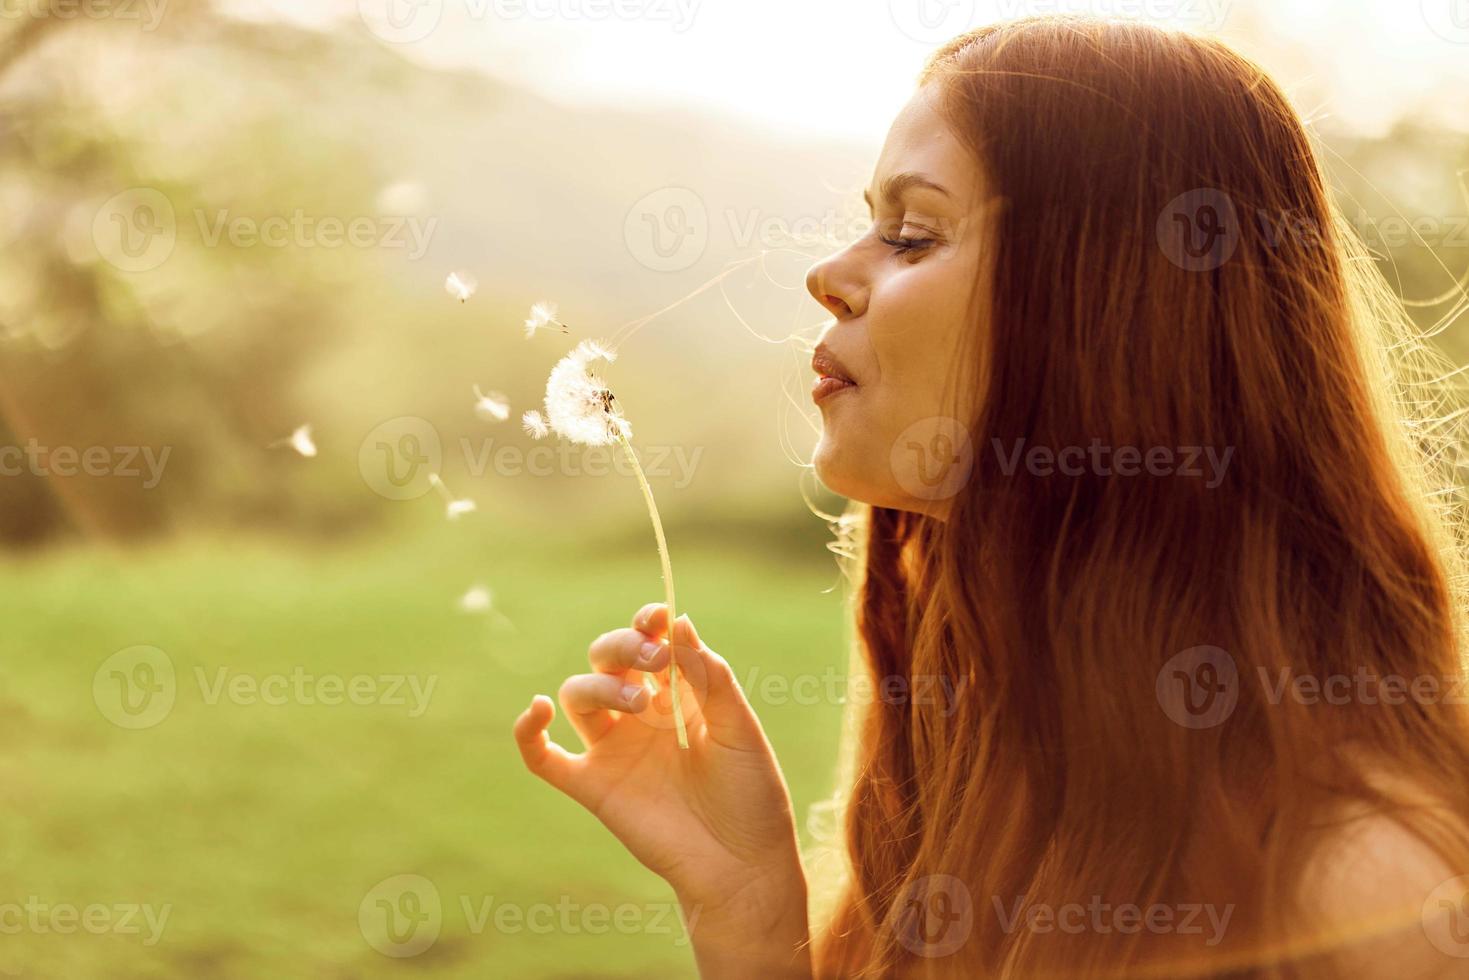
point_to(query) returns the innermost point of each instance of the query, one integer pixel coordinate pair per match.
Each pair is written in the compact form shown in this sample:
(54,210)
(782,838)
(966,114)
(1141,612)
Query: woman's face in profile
(901,297)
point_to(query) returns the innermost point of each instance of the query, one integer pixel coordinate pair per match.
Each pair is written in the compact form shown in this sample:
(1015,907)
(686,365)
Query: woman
(1138,483)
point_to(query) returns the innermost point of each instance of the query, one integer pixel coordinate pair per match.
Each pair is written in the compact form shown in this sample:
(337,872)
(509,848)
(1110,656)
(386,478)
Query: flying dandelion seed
(477,599)
(453,508)
(460,285)
(480,601)
(543,317)
(491,406)
(300,440)
(582,409)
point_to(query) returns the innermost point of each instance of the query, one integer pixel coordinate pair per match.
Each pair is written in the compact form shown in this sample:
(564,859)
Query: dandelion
(299,440)
(491,406)
(453,508)
(582,409)
(543,317)
(460,285)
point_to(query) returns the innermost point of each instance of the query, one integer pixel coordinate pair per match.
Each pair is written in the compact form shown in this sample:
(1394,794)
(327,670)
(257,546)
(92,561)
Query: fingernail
(630,692)
(648,652)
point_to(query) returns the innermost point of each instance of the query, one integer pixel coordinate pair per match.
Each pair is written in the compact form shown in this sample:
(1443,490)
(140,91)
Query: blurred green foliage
(265,826)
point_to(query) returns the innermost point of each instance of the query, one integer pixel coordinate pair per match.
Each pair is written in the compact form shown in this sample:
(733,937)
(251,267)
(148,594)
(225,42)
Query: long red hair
(1051,603)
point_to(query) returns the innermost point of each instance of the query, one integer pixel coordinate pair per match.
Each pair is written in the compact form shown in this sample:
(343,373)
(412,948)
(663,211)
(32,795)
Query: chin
(835,471)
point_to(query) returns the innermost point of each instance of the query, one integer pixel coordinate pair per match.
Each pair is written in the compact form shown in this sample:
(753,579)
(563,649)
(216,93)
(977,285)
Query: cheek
(907,306)
(889,442)
(916,338)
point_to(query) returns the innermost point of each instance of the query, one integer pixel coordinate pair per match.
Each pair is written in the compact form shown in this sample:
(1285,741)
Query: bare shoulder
(1386,900)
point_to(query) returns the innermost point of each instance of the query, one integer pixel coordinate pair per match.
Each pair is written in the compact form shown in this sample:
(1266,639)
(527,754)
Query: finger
(726,712)
(652,619)
(590,699)
(541,755)
(619,651)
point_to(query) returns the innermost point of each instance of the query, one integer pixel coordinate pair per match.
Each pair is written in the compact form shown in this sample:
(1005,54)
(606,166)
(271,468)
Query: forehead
(921,141)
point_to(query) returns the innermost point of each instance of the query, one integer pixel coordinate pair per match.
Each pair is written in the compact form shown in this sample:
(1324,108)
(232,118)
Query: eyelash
(907,246)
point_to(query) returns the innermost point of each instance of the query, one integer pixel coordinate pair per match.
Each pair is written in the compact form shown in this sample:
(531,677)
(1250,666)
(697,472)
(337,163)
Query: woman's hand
(713,820)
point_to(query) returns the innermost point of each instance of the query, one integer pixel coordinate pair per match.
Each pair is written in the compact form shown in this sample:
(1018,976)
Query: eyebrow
(893,187)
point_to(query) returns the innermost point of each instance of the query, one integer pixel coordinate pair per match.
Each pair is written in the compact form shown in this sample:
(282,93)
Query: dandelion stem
(683,736)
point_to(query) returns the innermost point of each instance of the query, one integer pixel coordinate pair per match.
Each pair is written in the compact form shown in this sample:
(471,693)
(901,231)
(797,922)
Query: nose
(834,283)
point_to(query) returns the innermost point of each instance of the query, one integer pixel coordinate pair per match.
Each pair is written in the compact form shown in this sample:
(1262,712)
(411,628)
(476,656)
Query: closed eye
(903,246)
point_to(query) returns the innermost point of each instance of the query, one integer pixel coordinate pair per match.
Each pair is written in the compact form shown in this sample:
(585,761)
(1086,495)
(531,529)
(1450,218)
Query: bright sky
(844,67)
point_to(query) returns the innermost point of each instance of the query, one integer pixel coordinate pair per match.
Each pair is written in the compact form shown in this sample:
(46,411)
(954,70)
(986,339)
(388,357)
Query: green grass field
(262,828)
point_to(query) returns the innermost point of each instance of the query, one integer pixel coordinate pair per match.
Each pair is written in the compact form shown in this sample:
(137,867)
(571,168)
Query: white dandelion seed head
(460,285)
(302,442)
(493,405)
(579,406)
(535,424)
(542,316)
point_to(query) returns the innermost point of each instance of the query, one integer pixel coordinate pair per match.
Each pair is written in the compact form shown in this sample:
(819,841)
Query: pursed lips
(831,375)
